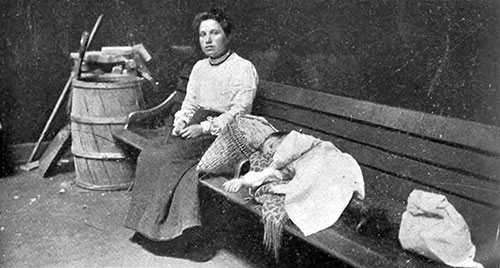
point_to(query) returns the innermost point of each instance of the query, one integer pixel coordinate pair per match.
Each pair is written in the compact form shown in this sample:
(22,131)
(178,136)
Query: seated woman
(164,200)
(322,179)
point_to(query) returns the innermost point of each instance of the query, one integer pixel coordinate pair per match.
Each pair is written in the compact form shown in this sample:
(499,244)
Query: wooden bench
(399,150)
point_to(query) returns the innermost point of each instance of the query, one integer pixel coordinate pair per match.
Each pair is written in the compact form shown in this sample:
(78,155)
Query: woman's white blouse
(228,88)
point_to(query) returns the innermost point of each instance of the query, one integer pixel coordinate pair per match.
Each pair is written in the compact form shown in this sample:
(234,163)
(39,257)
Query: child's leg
(248,180)
(234,185)
(256,179)
(251,179)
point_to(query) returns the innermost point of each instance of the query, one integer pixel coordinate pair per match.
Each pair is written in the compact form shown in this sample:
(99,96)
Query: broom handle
(75,73)
(94,30)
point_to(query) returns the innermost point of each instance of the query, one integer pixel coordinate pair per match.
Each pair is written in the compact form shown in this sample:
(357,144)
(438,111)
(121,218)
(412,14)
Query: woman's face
(213,39)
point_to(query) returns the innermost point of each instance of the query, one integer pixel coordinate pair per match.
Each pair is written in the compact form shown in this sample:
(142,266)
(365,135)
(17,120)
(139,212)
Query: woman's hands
(190,132)
(176,131)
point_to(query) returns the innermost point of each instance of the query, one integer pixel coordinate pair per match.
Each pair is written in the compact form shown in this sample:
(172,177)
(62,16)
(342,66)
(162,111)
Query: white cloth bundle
(324,182)
(432,227)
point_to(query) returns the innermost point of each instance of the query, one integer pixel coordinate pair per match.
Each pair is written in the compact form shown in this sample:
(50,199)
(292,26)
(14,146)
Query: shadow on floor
(192,245)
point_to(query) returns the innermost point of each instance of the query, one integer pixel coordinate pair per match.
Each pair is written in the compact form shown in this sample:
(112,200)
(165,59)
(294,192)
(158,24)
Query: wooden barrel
(101,104)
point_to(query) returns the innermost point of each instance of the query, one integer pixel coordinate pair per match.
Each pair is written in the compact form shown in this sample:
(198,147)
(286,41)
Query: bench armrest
(140,122)
(154,116)
(130,138)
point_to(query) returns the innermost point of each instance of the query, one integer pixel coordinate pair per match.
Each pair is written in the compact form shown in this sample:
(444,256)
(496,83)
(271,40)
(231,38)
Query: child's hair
(277,134)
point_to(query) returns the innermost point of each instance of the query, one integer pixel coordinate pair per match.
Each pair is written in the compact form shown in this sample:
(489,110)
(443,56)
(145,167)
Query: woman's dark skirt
(164,199)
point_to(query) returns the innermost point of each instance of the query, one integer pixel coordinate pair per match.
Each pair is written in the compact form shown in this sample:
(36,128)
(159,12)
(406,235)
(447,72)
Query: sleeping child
(322,180)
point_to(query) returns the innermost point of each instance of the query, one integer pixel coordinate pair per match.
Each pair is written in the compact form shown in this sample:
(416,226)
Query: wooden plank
(57,147)
(97,172)
(82,170)
(30,165)
(76,139)
(93,141)
(394,141)
(131,138)
(343,243)
(451,130)
(100,140)
(440,179)
(92,100)
(341,247)
(108,104)
(117,50)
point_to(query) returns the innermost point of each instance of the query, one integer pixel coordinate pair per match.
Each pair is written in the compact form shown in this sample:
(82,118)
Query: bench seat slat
(340,240)
(399,143)
(441,179)
(467,133)
(131,138)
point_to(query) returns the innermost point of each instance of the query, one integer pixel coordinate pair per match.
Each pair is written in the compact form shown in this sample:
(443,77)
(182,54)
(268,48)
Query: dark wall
(38,36)
(436,56)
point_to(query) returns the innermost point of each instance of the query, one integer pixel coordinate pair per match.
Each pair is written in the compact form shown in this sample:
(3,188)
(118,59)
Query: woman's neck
(222,58)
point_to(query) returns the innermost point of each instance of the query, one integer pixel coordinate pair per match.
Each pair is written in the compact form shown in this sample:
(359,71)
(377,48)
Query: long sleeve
(190,104)
(244,88)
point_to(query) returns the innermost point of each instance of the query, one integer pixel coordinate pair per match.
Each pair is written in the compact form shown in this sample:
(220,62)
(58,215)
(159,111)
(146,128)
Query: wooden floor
(41,226)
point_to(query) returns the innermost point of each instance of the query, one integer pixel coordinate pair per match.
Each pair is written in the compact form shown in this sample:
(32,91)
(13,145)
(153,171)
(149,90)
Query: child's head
(272,141)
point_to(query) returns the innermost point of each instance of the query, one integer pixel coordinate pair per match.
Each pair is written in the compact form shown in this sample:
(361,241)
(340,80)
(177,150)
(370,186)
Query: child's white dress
(324,182)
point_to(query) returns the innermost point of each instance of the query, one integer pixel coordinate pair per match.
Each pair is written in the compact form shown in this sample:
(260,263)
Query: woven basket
(254,129)
(237,141)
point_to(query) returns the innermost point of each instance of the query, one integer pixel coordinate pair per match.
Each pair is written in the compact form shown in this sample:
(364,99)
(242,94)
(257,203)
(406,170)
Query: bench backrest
(401,150)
